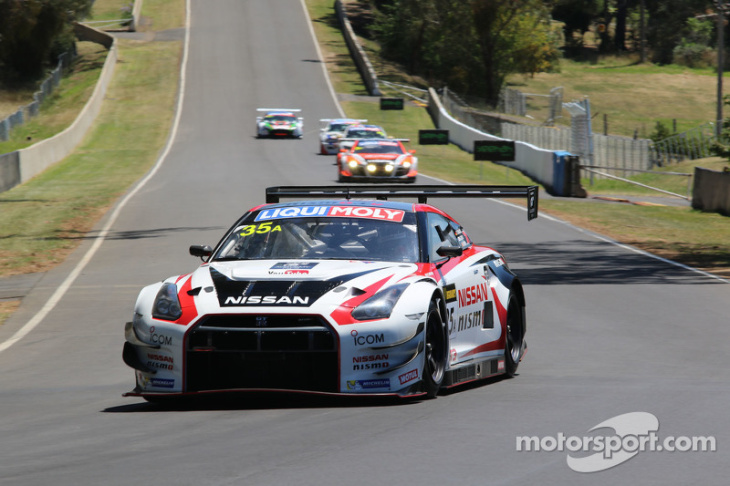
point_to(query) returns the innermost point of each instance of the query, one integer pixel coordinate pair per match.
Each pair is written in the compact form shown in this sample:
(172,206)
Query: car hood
(379,156)
(294,282)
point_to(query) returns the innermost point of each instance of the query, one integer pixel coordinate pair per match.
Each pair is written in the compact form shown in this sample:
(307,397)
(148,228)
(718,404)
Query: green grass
(632,96)
(43,220)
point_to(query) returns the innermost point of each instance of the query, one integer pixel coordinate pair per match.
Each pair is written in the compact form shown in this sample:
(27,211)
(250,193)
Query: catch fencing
(25,113)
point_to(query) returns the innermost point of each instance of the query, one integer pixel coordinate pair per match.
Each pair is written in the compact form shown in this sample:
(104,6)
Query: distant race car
(354,132)
(332,132)
(377,160)
(279,123)
(333,295)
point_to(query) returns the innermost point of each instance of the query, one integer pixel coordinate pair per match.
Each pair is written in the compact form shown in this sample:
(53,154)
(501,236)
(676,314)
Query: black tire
(514,337)
(436,351)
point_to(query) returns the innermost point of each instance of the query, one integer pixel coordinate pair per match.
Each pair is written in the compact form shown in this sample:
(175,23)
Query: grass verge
(43,220)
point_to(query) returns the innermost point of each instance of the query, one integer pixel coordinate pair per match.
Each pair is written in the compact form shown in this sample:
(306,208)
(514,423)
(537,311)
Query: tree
(667,24)
(514,36)
(31,31)
(469,45)
(577,17)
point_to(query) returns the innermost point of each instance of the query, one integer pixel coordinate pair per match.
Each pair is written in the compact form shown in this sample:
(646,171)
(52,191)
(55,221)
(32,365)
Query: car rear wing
(293,110)
(422,193)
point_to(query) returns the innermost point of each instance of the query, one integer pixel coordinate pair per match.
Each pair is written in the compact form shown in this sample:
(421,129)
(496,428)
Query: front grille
(297,352)
(380,172)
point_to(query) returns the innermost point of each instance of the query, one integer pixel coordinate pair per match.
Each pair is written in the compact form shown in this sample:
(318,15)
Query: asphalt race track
(611,331)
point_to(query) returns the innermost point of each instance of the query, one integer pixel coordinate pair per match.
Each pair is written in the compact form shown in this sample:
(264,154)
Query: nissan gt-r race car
(377,160)
(332,132)
(279,123)
(334,295)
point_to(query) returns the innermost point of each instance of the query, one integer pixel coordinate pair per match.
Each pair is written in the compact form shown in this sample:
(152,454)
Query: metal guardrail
(32,109)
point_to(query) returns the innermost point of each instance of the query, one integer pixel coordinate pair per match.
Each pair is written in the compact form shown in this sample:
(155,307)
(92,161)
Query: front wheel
(515,336)
(436,352)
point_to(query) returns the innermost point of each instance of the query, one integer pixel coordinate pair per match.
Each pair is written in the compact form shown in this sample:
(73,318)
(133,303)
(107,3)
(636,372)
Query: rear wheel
(515,336)
(436,352)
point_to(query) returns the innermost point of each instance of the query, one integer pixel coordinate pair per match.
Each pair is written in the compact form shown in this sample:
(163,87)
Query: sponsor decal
(160,339)
(370,339)
(288,272)
(500,365)
(370,362)
(367,384)
(371,357)
(294,266)
(265,300)
(466,321)
(159,361)
(450,293)
(162,382)
(453,354)
(473,295)
(384,214)
(406,377)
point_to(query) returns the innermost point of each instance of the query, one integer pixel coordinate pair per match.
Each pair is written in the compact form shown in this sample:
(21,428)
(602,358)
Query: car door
(472,320)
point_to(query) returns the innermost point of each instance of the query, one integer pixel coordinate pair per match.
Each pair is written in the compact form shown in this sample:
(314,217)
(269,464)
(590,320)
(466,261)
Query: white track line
(321,58)
(63,288)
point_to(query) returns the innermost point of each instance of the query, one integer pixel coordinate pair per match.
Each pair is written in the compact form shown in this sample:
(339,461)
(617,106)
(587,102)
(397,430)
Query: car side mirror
(412,151)
(449,251)
(202,251)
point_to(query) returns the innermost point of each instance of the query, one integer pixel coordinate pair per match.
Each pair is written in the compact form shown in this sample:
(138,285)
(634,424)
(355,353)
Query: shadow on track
(259,401)
(583,262)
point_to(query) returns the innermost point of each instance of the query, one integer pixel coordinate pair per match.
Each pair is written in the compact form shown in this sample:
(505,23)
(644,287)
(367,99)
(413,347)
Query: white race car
(282,122)
(332,131)
(333,295)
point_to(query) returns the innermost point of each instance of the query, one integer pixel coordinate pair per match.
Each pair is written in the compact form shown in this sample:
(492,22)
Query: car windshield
(357,133)
(323,238)
(280,118)
(378,148)
(338,127)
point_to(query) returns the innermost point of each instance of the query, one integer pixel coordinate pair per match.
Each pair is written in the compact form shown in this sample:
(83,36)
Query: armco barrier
(543,166)
(33,160)
(711,191)
(358,55)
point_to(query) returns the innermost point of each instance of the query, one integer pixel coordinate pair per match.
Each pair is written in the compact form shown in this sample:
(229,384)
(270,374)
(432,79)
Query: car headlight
(167,305)
(380,305)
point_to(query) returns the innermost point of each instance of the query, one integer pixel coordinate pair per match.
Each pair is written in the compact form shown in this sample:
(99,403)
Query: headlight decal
(343,314)
(176,305)
(380,305)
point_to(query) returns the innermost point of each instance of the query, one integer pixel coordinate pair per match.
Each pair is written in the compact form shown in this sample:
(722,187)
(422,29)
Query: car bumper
(303,353)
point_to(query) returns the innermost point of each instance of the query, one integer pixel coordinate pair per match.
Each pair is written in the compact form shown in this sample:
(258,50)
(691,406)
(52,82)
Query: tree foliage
(468,45)
(32,32)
